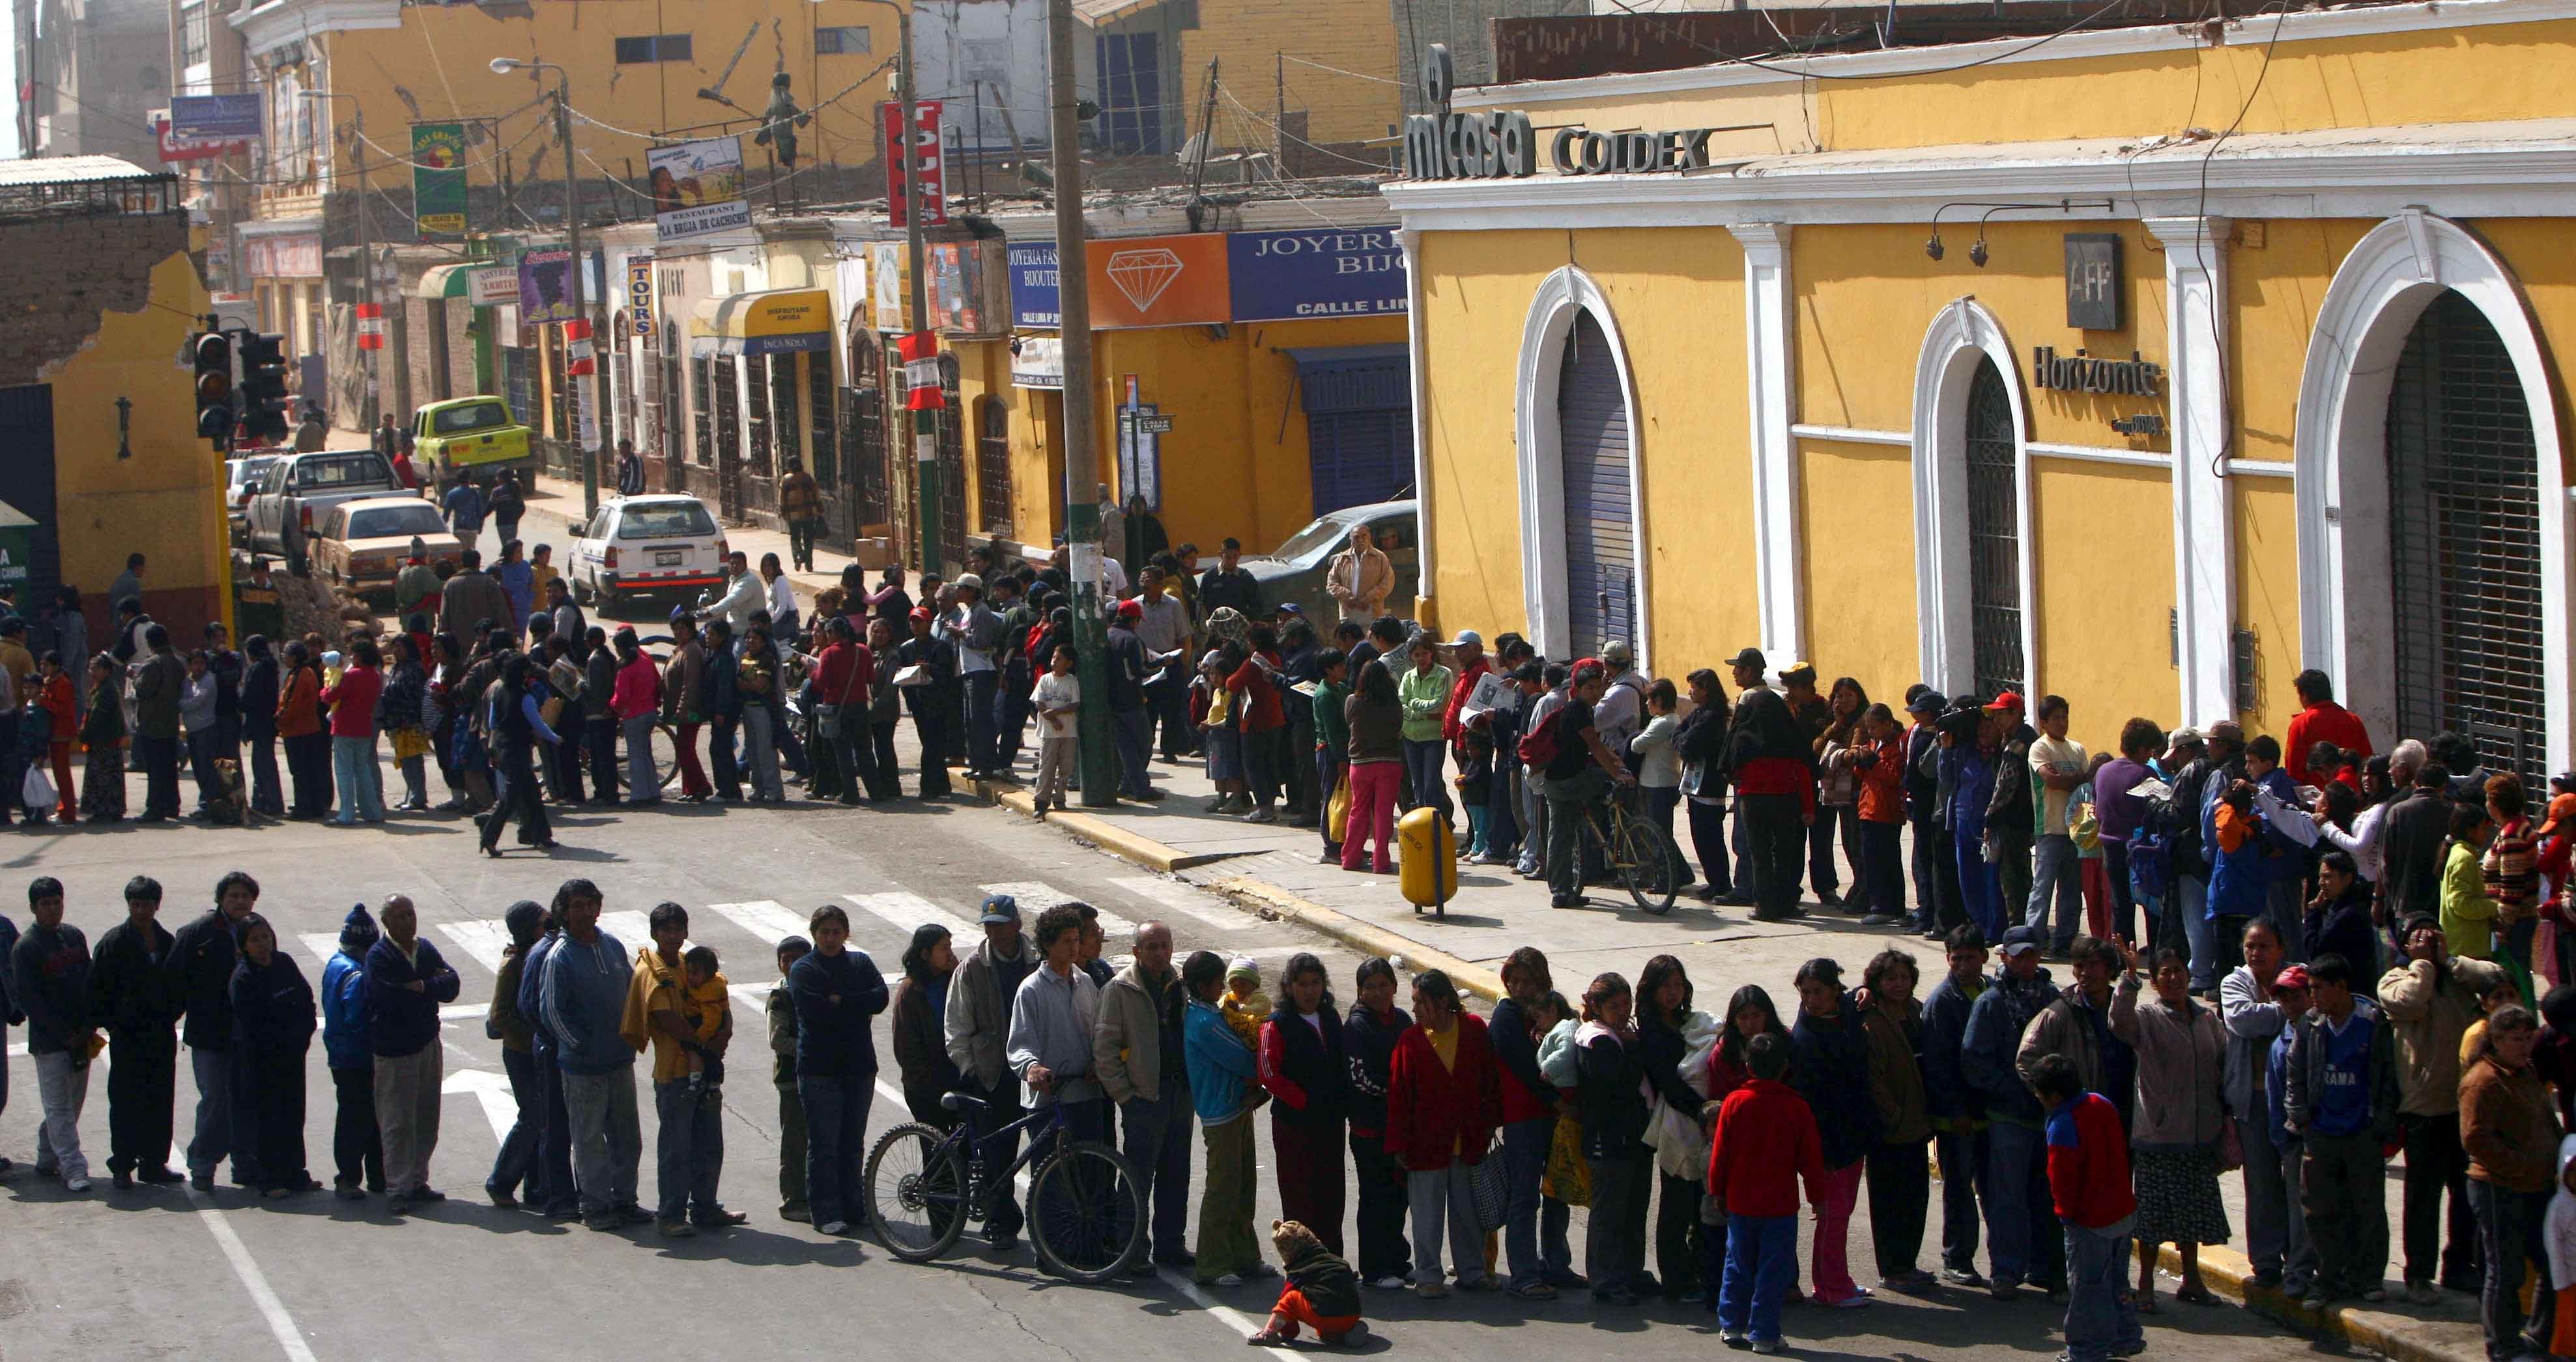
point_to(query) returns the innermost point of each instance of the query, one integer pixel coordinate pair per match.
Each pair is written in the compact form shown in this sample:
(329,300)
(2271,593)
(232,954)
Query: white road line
(321,946)
(492,1092)
(1036,896)
(482,938)
(1182,898)
(633,929)
(280,1324)
(767,919)
(904,910)
(1190,1290)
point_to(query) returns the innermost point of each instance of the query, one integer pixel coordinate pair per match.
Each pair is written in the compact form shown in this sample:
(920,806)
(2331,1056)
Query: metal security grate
(952,464)
(822,401)
(2464,541)
(864,433)
(1600,514)
(993,470)
(1994,534)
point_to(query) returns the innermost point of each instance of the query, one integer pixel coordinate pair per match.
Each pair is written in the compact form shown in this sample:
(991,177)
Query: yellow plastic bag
(1337,815)
(1568,1177)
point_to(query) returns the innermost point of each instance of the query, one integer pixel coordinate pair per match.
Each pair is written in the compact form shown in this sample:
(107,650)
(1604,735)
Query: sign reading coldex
(1487,146)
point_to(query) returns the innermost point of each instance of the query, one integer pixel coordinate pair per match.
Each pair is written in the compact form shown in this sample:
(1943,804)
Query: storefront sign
(1034,291)
(494,287)
(215,118)
(639,294)
(437,182)
(2093,281)
(928,155)
(1282,276)
(782,322)
(545,287)
(957,288)
(1038,362)
(890,281)
(1581,151)
(2084,373)
(282,257)
(697,188)
(1159,281)
(1443,145)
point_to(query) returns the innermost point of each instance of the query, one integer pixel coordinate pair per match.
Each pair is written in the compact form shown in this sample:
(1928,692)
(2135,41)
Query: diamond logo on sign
(1142,276)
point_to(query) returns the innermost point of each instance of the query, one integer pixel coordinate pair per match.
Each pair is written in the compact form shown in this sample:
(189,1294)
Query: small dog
(231,806)
(1322,1292)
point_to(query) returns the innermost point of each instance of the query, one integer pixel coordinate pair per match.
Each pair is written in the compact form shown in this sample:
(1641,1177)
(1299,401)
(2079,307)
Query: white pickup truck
(294,491)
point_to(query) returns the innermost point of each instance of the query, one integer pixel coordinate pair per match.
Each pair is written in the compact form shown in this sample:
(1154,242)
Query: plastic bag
(1568,1177)
(36,792)
(1337,815)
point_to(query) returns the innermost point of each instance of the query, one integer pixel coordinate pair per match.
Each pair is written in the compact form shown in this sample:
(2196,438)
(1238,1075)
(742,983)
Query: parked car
(298,489)
(1294,571)
(361,544)
(656,547)
(241,481)
(477,434)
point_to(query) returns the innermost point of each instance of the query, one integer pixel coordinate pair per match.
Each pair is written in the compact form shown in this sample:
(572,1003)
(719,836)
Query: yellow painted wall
(1245,37)
(2102,544)
(2265,516)
(167,500)
(1855,511)
(2535,250)
(435,67)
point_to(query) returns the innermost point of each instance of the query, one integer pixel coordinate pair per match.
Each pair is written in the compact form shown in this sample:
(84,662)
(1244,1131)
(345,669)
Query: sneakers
(1430,1291)
(1229,1279)
(1848,1303)
(834,1228)
(798,1214)
(2422,1293)
(76,1185)
(1389,1283)
(1735,1338)
(1963,1276)
(1767,1346)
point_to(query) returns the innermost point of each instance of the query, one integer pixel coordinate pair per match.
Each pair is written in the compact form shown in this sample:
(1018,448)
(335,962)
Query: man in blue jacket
(584,999)
(2023,1243)
(550,1189)
(357,1144)
(407,980)
(1957,1107)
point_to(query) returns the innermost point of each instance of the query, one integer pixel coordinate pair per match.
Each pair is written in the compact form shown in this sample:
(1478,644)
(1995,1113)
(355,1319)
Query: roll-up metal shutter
(1600,517)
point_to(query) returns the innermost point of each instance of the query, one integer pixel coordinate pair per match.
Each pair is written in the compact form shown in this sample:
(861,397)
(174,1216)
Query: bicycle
(1637,852)
(1086,1215)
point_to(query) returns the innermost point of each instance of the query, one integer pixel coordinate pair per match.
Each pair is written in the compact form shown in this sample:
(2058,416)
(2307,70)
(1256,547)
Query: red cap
(2010,700)
(1130,610)
(2296,976)
(921,612)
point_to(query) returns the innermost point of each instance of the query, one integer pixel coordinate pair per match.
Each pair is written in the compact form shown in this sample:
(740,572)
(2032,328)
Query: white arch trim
(2340,451)
(1542,461)
(1962,334)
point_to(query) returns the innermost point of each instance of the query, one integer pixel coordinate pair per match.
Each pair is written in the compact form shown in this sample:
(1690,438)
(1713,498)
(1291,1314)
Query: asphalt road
(162,1273)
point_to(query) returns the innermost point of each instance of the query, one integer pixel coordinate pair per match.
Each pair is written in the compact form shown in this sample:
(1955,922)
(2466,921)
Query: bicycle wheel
(916,1192)
(1087,1213)
(1645,862)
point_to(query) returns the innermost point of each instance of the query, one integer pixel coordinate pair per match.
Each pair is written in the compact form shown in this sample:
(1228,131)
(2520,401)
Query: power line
(1726,59)
(1355,75)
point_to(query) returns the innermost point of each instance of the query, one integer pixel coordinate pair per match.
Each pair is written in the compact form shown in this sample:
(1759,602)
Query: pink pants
(1373,789)
(1829,1267)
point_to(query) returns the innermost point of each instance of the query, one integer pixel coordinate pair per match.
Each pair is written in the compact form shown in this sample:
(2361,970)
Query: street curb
(1271,901)
(2400,1338)
(1117,841)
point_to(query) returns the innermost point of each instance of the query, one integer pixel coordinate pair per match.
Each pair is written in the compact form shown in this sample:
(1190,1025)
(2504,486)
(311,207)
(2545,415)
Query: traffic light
(213,352)
(263,386)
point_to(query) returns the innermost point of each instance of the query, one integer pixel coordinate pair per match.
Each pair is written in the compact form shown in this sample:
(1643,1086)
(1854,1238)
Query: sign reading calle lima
(1446,145)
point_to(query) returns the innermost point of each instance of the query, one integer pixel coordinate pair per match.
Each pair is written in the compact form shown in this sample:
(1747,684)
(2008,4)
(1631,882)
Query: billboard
(1159,281)
(697,188)
(1034,291)
(1329,272)
(545,287)
(216,118)
(438,179)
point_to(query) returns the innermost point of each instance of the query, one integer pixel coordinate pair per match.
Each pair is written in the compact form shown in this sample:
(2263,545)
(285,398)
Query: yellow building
(1988,365)
(1315,81)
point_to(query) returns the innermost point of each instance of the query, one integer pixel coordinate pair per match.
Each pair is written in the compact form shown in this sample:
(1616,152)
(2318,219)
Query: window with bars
(993,467)
(654,47)
(702,384)
(827,436)
(843,40)
(786,415)
(1994,534)
(192,35)
(757,395)
(2464,541)
(863,434)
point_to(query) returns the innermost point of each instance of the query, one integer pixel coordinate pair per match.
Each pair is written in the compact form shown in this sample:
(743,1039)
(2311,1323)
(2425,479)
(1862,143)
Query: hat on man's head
(679,614)
(1617,653)
(2020,940)
(1470,636)
(2008,700)
(1131,610)
(2296,976)
(998,909)
(1927,702)
(1750,657)
(358,930)
(922,613)
(1290,608)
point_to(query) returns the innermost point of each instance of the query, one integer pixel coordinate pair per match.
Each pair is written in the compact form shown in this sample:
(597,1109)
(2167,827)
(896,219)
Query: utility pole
(925,421)
(587,456)
(366,268)
(1081,458)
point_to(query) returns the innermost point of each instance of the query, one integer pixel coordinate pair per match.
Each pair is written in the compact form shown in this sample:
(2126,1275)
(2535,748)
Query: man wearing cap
(1767,759)
(1227,584)
(978,1025)
(1163,630)
(2022,1239)
(975,632)
(2275,1158)
(1360,577)
(932,697)
(2429,1006)
(2012,816)
(2342,1104)
(1130,723)
(1623,706)
(2256,1019)
(1938,907)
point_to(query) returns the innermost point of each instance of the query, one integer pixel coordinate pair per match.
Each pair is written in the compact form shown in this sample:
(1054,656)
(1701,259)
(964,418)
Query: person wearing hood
(2023,1243)
(407,981)
(2181,1113)
(272,1030)
(1829,1061)
(202,955)
(516,1162)
(2341,1105)
(129,997)
(357,1145)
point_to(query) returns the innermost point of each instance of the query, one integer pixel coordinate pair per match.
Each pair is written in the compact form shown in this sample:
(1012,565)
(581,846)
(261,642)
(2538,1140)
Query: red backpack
(1538,746)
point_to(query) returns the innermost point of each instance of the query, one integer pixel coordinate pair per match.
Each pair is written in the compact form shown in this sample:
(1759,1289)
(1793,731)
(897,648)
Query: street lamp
(502,66)
(366,264)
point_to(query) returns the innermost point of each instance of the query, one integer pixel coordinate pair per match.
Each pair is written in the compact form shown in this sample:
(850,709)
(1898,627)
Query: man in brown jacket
(1900,1180)
(1360,577)
(979,1027)
(684,703)
(2510,1131)
(2431,1006)
(1136,1055)
(2077,1023)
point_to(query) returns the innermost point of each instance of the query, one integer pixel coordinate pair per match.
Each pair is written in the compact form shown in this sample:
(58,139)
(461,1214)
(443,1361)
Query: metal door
(823,401)
(993,468)
(728,431)
(863,462)
(1600,516)
(952,463)
(2464,542)
(1994,534)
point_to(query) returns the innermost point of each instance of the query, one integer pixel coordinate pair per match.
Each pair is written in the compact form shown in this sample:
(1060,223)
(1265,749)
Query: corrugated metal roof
(1094,13)
(70,170)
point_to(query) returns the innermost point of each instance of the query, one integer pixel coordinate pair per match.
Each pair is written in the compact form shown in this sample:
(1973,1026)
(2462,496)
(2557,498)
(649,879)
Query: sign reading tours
(1503,143)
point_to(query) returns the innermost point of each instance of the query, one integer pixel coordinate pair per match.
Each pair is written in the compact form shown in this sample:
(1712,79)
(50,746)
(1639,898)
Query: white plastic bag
(36,792)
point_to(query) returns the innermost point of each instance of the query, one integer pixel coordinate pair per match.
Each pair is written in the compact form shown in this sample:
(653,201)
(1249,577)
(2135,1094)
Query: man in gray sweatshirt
(584,994)
(1052,1019)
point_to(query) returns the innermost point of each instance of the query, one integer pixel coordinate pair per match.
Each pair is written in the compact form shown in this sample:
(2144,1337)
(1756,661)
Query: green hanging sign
(438,180)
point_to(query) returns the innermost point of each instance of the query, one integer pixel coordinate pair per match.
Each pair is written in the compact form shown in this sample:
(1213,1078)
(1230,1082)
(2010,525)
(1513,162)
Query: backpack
(1537,747)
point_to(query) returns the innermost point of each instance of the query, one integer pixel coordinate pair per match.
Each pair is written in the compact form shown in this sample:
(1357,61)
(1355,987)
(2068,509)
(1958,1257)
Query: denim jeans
(62,1087)
(1761,1261)
(1156,1141)
(1534,1242)
(760,751)
(2194,893)
(1567,798)
(983,723)
(266,794)
(607,1139)
(2509,1226)
(1128,730)
(1422,766)
(2099,1320)
(2022,1243)
(643,782)
(836,1131)
(688,1151)
(1963,1156)
(353,764)
(517,1161)
(2055,871)
(2276,1229)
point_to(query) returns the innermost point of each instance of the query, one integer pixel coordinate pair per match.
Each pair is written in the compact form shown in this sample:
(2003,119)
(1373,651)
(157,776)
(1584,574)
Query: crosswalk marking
(766,919)
(1181,898)
(904,910)
(1036,896)
(321,946)
(482,938)
(632,928)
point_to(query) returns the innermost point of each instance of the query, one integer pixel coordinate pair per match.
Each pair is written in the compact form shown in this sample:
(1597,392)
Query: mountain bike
(1086,1213)
(1637,852)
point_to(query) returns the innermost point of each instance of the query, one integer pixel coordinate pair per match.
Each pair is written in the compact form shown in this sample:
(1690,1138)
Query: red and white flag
(579,354)
(371,326)
(921,372)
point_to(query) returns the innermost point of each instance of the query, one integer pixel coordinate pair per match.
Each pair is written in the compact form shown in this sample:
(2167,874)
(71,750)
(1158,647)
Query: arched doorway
(1600,525)
(1994,534)
(2464,541)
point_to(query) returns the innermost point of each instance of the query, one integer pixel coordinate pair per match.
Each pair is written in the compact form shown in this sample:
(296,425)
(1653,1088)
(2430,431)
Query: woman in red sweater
(1748,1014)
(1443,1101)
(353,735)
(1263,721)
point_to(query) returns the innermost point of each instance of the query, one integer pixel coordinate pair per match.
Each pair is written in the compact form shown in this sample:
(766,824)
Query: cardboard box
(874,554)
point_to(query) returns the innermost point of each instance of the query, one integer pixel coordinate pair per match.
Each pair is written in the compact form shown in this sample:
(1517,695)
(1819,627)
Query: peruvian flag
(579,353)
(920,352)
(371,326)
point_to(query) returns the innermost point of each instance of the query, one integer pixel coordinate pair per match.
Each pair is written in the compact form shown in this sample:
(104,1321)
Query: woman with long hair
(1307,1073)
(1749,1013)
(1899,1171)
(1376,721)
(920,1040)
(103,737)
(884,712)
(1830,1056)
(1369,1035)
(516,728)
(353,734)
(406,699)
(299,728)
(1667,1032)
(1838,795)
(1614,1126)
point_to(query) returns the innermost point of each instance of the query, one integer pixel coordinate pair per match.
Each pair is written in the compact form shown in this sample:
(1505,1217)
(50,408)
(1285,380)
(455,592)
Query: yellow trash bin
(1427,857)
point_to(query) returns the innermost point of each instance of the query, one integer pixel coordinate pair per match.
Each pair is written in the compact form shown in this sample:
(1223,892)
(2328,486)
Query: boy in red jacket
(1765,1141)
(2088,1176)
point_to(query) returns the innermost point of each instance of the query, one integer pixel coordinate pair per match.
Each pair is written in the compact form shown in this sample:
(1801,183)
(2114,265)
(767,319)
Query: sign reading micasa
(1503,144)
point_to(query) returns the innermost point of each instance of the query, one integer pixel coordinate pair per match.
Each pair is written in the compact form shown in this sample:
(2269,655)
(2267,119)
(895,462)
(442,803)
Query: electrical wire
(2200,219)
(1283,132)
(1724,59)
(1355,75)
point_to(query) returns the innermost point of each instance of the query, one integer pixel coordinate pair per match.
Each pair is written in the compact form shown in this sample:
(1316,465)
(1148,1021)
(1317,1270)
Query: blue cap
(679,614)
(998,909)
(2019,939)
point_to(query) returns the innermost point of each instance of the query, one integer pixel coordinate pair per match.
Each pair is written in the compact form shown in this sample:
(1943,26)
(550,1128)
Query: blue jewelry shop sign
(1034,295)
(1327,272)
